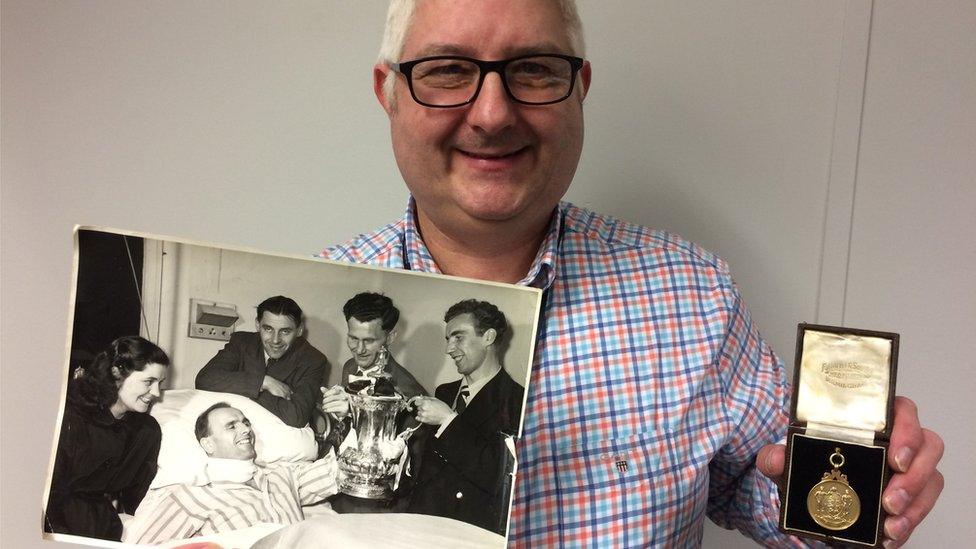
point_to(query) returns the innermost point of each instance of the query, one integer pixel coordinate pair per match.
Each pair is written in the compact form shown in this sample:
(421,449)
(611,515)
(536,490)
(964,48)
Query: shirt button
(459,495)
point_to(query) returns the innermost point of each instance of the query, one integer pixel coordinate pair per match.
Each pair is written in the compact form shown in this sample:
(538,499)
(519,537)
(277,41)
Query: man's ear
(208,445)
(380,72)
(586,73)
(489,336)
(300,330)
(391,336)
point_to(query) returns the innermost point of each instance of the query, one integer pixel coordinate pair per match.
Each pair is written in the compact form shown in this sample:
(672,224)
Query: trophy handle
(405,435)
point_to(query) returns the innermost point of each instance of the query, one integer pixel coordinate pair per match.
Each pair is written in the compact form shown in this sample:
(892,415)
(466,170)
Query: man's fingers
(906,435)
(771,460)
(906,488)
(899,527)
(911,495)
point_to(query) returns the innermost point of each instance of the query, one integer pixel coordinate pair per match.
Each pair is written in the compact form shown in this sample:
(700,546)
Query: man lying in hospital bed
(283,455)
(227,464)
(237,493)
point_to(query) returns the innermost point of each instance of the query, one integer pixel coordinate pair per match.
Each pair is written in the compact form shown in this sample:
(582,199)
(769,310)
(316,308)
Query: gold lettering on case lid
(846,375)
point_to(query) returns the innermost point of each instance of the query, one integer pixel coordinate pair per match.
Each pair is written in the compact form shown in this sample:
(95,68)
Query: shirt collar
(416,255)
(541,273)
(476,387)
(231,470)
(98,415)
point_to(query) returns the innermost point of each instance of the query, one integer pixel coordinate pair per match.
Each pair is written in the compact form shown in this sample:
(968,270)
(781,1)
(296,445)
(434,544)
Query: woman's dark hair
(97,386)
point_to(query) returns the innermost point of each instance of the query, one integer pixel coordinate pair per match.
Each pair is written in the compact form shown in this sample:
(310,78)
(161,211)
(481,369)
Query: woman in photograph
(109,443)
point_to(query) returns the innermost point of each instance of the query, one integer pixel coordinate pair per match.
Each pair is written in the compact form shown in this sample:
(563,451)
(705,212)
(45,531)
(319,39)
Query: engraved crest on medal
(832,502)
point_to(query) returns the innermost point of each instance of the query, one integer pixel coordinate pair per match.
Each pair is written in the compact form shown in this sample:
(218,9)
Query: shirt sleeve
(59,493)
(225,372)
(297,411)
(142,454)
(163,517)
(317,480)
(756,400)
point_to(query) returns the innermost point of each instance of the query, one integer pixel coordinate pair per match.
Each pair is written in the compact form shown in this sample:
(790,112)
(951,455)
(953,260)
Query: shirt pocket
(627,491)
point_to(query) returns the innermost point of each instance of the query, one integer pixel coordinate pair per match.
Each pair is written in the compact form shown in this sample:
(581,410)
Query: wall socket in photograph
(212,320)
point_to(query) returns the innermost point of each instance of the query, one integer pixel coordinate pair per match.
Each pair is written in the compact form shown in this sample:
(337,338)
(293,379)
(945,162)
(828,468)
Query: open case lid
(844,381)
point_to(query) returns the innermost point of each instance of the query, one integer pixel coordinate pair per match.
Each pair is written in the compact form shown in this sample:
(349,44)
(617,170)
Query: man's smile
(489,154)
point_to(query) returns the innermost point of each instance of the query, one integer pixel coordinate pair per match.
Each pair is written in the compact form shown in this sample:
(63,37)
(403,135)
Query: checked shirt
(651,392)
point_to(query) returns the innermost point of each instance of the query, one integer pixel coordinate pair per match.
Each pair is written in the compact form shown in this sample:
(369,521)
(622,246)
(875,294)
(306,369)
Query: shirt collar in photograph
(473,388)
(230,470)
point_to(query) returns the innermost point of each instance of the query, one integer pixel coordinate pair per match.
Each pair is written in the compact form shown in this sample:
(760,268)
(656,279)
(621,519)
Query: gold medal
(832,502)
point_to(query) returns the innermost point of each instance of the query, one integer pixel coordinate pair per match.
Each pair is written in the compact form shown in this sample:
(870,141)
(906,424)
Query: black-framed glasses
(444,81)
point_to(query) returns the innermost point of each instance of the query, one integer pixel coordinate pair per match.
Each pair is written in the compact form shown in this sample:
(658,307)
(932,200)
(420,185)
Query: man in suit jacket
(371,320)
(466,465)
(276,366)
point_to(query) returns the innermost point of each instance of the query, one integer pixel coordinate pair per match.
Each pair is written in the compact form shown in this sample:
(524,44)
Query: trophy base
(362,477)
(366,490)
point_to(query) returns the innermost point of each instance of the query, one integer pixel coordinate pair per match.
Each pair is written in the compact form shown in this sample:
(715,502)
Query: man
(239,495)
(275,366)
(654,399)
(462,473)
(371,321)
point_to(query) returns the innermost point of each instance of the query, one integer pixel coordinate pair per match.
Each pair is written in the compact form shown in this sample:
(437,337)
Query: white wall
(825,149)
(913,252)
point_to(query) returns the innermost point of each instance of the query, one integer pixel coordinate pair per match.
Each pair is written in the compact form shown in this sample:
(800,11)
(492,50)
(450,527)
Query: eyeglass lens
(540,79)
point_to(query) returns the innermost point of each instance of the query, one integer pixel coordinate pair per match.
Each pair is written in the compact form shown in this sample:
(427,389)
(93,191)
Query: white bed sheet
(387,530)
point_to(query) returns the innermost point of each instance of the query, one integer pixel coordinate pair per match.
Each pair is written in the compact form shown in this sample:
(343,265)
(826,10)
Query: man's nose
(493,110)
(277,338)
(360,347)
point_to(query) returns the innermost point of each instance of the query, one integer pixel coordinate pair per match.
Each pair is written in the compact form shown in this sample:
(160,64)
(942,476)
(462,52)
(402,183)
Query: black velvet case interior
(808,460)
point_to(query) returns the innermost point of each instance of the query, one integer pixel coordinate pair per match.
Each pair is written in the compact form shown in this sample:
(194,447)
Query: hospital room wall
(178,272)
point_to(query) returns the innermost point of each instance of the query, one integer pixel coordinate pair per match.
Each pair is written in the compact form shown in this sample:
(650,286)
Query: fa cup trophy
(369,469)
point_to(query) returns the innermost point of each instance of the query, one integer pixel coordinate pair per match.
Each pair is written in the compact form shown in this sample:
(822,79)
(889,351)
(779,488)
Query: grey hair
(400,14)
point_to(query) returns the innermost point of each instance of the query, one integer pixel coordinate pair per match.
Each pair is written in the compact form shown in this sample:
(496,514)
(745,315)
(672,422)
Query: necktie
(462,400)
(270,364)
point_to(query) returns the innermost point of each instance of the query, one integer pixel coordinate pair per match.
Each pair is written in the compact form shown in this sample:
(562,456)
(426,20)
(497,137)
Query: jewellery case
(840,427)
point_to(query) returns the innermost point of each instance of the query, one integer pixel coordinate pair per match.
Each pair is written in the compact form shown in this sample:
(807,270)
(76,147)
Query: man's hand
(391,449)
(335,401)
(430,410)
(277,388)
(913,455)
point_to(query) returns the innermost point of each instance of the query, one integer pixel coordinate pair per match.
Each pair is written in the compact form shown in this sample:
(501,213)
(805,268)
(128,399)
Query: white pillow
(183,461)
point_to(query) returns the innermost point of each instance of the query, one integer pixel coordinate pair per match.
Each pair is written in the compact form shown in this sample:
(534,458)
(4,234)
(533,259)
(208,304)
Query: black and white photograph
(244,398)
